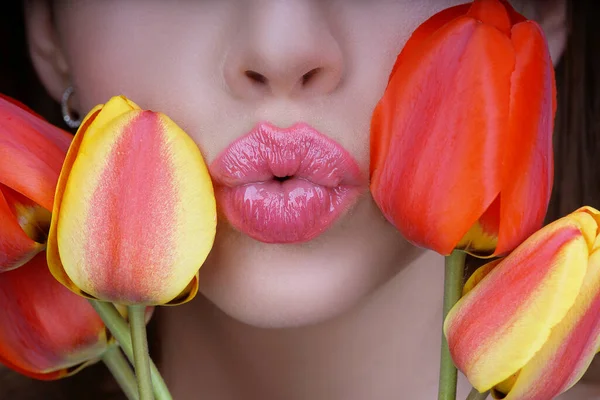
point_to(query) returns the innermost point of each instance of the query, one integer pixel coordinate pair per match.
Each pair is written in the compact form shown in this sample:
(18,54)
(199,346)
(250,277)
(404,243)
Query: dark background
(17,77)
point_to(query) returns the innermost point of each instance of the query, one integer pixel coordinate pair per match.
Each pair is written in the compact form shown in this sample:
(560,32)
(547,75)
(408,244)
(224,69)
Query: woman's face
(231,69)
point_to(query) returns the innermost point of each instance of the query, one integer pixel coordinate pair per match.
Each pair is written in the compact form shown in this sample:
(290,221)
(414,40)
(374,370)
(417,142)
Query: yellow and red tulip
(528,325)
(46,331)
(461,146)
(31,155)
(134,216)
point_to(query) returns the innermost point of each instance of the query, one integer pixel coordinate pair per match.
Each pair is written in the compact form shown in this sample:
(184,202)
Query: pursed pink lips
(285,185)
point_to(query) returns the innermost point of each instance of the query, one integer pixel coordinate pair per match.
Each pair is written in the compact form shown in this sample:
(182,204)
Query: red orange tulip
(46,332)
(528,326)
(135,215)
(461,147)
(31,155)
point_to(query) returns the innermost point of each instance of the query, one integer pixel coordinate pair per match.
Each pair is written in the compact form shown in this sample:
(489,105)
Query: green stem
(141,357)
(475,395)
(453,284)
(118,365)
(119,328)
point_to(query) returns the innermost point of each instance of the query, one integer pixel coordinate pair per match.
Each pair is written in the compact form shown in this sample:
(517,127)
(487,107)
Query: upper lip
(300,151)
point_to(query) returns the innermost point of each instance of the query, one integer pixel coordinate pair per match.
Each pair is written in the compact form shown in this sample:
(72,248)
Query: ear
(552,16)
(44,47)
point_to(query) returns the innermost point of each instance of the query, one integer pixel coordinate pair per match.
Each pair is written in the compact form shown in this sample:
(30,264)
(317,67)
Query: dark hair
(577,133)
(577,156)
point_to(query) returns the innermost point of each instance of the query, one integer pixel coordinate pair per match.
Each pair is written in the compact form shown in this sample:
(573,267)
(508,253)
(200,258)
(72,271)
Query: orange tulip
(528,326)
(461,147)
(135,214)
(46,332)
(31,155)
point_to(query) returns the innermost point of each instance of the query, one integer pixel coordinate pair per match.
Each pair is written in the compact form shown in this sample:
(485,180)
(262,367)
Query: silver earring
(71,119)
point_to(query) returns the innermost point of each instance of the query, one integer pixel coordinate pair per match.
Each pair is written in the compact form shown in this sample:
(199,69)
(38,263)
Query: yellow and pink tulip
(135,215)
(528,326)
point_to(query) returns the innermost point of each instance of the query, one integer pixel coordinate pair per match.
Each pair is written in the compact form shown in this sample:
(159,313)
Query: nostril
(256,77)
(307,77)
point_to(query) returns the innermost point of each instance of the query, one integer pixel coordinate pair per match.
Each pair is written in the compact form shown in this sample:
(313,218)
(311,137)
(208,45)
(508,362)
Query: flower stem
(119,328)
(453,284)
(475,395)
(118,365)
(141,357)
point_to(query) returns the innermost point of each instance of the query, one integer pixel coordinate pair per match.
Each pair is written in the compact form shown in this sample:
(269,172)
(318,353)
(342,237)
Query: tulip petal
(592,237)
(482,239)
(478,276)
(493,13)
(31,153)
(187,294)
(114,108)
(52,253)
(137,214)
(13,109)
(426,29)
(424,163)
(416,41)
(570,349)
(23,107)
(16,248)
(504,320)
(529,139)
(46,332)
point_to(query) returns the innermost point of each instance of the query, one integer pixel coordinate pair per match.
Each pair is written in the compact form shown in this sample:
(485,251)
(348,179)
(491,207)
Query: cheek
(151,54)
(109,68)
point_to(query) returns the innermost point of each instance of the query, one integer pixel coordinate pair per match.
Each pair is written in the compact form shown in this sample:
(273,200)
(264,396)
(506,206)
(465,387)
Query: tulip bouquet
(125,218)
(461,162)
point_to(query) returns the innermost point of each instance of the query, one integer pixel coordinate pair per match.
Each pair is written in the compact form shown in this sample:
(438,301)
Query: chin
(273,303)
(293,285)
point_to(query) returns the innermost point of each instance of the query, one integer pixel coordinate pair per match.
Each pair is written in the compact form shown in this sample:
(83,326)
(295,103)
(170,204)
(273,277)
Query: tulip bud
(31,155)
(135,215)
(529,326)
(46,332)
(461,146)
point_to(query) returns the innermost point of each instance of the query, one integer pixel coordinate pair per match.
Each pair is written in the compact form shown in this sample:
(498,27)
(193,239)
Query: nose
(284,48)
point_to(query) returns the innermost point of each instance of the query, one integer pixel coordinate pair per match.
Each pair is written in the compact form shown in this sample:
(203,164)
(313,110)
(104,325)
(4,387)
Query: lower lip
(292,211)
